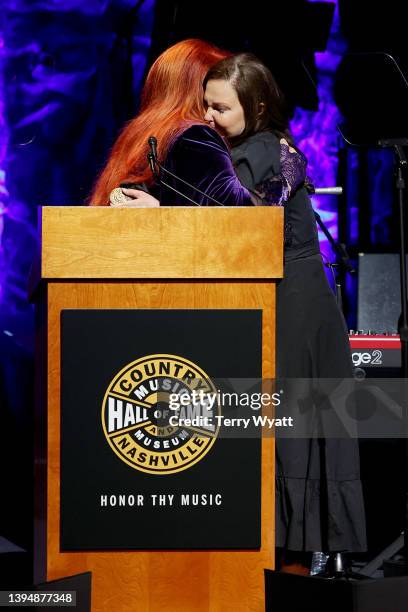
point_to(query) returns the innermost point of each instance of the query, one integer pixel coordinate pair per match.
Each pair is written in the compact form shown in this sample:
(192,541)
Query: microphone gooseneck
(154,164)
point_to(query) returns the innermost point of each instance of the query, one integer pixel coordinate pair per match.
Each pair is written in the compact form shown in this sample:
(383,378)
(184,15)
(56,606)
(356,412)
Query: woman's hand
(128,198)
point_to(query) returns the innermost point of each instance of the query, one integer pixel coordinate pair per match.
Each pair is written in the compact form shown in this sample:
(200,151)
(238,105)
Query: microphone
(152,142)
(152,156)
(153,162)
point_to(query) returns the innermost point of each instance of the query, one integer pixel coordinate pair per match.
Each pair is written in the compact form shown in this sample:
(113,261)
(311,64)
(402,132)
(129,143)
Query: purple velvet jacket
(201,157)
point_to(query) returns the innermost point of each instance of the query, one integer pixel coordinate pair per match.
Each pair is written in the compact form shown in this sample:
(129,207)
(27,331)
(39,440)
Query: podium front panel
(152,580)
(130,479)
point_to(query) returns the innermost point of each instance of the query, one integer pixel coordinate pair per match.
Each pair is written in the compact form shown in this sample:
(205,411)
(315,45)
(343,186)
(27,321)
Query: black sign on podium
(132,478)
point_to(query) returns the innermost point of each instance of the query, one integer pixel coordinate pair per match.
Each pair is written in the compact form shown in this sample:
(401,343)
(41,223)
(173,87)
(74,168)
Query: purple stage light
(72,72)
(3,150)
(316,131)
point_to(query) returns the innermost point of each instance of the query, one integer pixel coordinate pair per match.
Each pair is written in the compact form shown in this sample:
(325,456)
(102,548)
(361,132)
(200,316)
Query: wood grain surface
(153,581)
(206,242)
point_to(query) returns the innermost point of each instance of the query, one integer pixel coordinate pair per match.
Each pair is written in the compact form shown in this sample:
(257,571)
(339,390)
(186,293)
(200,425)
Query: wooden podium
(164,258)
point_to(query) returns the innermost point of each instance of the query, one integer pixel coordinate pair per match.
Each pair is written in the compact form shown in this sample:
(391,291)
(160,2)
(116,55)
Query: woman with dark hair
(319,501)
(257,92)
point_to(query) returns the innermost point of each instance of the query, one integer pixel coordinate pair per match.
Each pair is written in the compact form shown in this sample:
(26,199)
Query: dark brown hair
(254,85)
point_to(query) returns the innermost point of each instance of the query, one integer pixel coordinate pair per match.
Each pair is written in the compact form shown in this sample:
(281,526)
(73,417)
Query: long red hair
(172,97)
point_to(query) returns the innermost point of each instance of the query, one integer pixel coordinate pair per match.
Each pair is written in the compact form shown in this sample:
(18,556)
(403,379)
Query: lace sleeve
(277,190)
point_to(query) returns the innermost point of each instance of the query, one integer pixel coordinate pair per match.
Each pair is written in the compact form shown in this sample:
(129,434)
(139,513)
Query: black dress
(319,499)
(319,502)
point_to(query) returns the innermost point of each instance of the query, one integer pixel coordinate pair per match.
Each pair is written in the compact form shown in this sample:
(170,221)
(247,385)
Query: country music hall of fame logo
(140,424)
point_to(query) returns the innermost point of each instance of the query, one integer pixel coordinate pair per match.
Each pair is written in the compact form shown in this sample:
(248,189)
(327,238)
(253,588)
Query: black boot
(337,565)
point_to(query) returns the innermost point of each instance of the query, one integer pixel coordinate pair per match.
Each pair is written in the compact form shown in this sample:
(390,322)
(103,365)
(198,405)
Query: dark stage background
(71,74)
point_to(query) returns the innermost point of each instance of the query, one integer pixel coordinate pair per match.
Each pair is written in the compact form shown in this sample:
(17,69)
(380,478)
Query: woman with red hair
(171,100)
